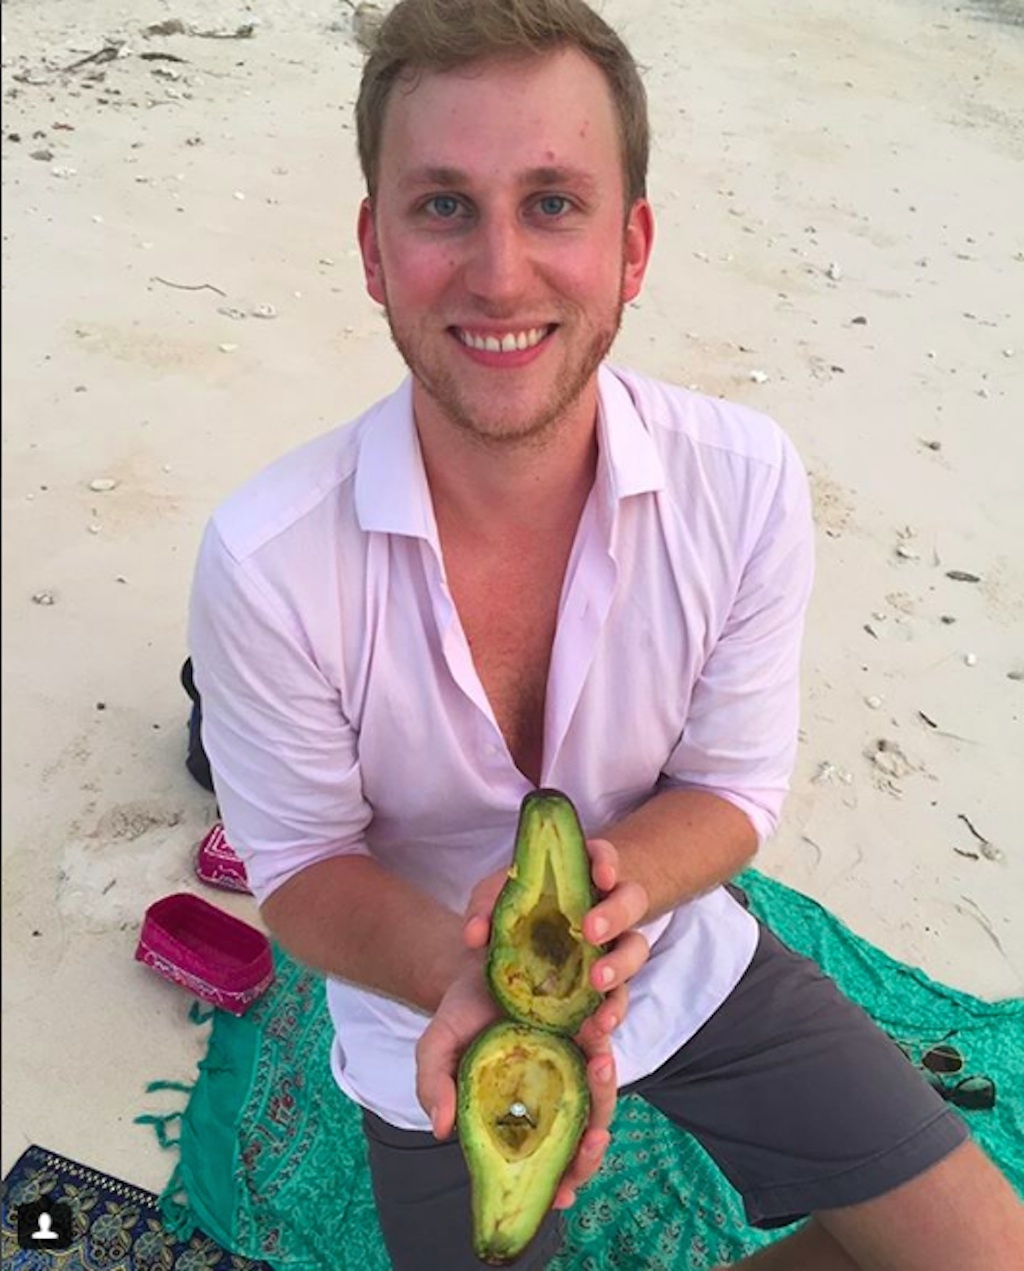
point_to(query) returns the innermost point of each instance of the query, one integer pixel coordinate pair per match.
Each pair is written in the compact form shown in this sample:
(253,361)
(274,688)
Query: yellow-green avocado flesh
(523,1105)
(539,963)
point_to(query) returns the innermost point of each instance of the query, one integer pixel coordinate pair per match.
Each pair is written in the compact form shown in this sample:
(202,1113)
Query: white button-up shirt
(343,713)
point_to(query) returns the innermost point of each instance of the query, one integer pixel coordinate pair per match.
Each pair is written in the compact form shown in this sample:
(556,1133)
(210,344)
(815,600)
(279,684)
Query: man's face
(499,243)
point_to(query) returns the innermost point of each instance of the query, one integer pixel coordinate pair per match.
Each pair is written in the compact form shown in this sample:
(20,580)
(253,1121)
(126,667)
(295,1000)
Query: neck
(500,491)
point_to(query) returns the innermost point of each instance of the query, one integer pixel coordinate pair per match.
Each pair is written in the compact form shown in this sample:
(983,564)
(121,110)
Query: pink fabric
(343,713)
(218,864)
(214,955)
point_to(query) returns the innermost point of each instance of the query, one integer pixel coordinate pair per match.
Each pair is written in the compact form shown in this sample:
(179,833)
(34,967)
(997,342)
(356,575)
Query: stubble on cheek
(430,364)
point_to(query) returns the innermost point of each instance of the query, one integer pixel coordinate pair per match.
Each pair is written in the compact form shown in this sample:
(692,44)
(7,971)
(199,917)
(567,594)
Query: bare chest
(509,617)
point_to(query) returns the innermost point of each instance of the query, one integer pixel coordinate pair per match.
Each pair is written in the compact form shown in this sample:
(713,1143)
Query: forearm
(350,918)
(681,843)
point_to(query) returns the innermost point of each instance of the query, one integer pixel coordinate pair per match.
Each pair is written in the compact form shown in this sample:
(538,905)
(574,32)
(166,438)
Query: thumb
(436,1061)
(476,930)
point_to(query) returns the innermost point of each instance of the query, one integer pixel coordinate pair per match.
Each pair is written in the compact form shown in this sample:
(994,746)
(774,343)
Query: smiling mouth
(509,342)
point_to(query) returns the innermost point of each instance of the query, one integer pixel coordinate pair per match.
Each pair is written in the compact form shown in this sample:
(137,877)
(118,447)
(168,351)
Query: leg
(808,1108)
(913,1227)
(809,1249)
(422,1193)
(960,1213)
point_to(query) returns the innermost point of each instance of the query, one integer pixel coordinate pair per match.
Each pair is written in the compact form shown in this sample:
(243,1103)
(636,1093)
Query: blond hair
(440,35)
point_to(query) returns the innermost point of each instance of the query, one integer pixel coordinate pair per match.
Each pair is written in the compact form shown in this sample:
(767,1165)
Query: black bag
(195,760)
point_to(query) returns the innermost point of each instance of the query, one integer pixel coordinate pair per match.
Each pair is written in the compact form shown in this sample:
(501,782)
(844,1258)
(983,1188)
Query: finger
(622,909)
(477,932)
(477,928)
(485,893)
(621,963)
(612,1011)
(443,1118)
(601,1078)
(587,1161)
(597,1136)
(436,1060)
(604,864)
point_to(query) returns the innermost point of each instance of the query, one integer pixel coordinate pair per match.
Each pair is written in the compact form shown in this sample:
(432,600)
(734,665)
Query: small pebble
(759,377)
(102,484)
(227,348)
(44,598)
(834,271)
(970,659)
(94,528)
(874,701)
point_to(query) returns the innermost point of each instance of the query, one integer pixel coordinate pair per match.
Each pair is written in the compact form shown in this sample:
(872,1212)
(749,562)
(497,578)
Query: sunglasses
(943,1059)
(972,1094)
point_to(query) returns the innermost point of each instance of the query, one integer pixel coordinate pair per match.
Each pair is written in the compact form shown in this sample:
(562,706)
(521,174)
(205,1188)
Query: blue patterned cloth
(115,1226)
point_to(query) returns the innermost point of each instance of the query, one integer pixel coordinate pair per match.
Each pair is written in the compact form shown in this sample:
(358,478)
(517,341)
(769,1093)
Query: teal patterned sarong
(273,1165)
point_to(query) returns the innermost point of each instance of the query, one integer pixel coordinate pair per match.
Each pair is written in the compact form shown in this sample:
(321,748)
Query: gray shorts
(800,1099)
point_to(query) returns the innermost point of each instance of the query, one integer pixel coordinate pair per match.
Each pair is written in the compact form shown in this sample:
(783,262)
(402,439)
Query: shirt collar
(629,456)
(392,494)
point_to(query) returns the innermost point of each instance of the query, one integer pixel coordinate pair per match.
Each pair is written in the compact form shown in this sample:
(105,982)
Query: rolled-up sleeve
(283,755)
(740,735)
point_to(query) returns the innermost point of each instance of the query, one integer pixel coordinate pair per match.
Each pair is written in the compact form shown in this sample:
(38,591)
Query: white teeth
(509,343)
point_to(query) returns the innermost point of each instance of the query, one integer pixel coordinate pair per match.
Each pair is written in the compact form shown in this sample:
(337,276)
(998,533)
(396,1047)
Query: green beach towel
(272,1163)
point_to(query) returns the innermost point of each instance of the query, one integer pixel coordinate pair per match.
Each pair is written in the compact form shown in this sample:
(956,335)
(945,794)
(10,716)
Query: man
(525,569)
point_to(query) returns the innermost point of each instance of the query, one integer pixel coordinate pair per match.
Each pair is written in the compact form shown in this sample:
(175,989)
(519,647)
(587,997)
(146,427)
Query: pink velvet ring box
(214,955)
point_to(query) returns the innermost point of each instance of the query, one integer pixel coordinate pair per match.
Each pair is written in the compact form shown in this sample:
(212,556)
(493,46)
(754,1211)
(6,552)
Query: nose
(498,262)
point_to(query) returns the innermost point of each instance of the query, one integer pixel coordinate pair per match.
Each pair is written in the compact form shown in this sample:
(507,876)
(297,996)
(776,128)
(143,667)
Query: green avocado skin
(538,970)
(510,1200)
(549,845)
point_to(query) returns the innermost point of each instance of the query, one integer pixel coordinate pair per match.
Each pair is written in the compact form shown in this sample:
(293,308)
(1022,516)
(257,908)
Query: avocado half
(538,963)
(523,1103)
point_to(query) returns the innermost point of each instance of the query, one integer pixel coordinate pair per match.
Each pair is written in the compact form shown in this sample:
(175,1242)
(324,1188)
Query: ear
(638,245)
(373,270)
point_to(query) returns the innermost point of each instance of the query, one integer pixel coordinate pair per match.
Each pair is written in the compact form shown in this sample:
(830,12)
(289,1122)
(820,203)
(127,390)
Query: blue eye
(553,204)
(444,206)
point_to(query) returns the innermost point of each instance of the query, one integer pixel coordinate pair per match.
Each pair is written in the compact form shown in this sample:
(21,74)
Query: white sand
(815,163)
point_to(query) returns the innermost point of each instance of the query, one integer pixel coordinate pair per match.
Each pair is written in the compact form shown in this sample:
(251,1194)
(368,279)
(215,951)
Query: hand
(611,921)
(465,1010)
